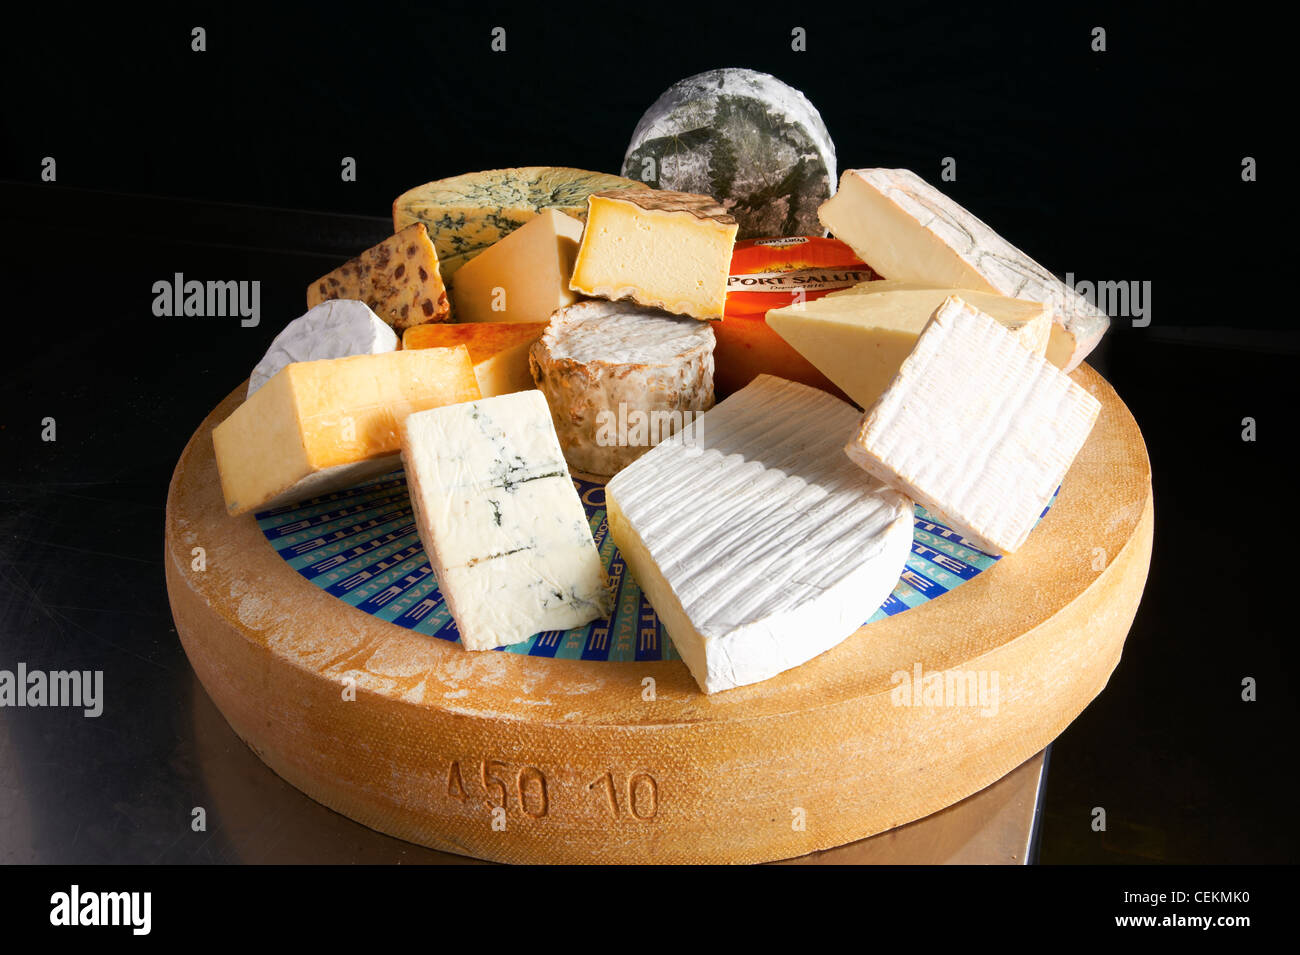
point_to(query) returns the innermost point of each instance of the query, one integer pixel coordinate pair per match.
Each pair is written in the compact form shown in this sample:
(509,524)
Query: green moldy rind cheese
(751,142)
(466,214)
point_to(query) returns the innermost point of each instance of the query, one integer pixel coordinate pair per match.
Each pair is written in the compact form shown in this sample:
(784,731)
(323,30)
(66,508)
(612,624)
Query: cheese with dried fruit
(398,279)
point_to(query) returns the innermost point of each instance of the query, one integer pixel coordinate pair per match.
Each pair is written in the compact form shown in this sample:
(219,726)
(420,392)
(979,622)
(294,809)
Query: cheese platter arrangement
(725,510)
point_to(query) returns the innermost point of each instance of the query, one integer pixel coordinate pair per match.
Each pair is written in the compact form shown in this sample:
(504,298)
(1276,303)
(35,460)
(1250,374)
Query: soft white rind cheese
(976,428)
(756,542)
(501,520)
(906,229)
(338,328)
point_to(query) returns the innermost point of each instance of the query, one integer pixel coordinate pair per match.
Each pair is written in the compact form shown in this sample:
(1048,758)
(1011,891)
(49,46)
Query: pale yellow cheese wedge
(498,350)
(320,426)
(522,278)
(668,250)
(859,337)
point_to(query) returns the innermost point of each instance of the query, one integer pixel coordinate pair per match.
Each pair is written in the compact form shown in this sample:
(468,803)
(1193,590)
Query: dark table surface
(1186,770)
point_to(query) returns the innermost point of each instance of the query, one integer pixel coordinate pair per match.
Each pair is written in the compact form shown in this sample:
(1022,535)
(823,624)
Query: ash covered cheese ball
(620,378)
(745,137)
(669,250)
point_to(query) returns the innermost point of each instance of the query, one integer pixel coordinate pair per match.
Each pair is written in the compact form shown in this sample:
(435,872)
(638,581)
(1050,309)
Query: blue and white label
(361,545)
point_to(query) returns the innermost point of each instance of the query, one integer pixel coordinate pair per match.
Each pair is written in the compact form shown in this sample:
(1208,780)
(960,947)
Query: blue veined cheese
(501,520)
(976,428)
(757,542)
(466,214)
(751,142)
(335,328)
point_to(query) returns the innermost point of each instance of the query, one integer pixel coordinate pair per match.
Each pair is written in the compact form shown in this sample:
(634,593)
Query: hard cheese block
(977,428)
(501,520)
(758,544)
(467,214)
(398,278)
(772,273)
(334,329)
(669,250)
(906,229)
(525,276)
(621,377)
(319,426)
(745,137)
(859,337)
(498,350)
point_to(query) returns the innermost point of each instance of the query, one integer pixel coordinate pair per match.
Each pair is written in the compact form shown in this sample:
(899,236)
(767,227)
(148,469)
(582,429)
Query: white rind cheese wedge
(501,520)
(906,229)
(859,337)
(758,544)
(334,329)
(976,428)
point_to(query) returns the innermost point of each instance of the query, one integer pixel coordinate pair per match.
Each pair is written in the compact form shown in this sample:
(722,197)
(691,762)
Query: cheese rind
(906,229)
(319,426)
(668,250)
(501,520)
(860,336)
(757,543)
(747,138)
(976,428)
(466,214)
(524,277)
(498,351)
(334,329)
(398,278)
(619,378)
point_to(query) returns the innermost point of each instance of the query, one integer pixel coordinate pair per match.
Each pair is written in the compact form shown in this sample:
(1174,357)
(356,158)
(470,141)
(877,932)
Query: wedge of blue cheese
(501,520)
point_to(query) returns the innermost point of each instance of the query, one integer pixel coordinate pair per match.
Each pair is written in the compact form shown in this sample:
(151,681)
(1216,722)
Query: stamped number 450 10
(634,795)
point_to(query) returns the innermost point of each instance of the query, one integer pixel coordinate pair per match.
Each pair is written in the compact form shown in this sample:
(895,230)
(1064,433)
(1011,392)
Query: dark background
(1122,165)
